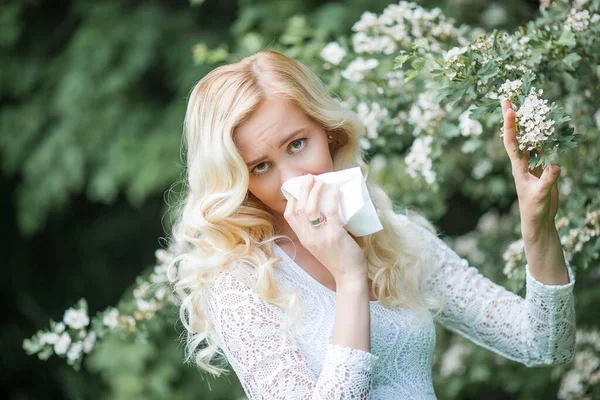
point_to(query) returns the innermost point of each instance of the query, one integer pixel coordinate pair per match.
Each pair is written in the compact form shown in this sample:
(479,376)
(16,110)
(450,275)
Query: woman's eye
(303,141)
(296,146)
(257,170)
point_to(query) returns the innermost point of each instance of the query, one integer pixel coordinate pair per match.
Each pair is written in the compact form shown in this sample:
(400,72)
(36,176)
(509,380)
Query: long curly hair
(219,224)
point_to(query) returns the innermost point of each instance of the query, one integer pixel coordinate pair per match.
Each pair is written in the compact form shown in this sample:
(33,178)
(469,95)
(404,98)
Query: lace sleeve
(536,330)
(268,362)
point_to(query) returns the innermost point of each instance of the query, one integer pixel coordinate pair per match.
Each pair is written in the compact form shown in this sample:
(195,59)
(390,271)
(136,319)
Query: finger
(312,205)
(548,178)
(333,205)
(510,139)
(304,192)
(290,209)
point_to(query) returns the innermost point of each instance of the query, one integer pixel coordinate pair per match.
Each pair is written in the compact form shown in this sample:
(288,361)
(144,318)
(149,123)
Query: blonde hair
(220,225)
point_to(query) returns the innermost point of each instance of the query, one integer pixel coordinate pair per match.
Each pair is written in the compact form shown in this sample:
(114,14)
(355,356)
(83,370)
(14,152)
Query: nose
(289,172)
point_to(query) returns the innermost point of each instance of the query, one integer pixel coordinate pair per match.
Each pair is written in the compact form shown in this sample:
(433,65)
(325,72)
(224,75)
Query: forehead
(271,121)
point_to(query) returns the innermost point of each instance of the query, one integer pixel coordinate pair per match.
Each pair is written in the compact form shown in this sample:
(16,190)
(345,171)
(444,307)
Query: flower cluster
(585,373)
(418,161)
(514,256)
(333,53)
(451,57)
(371,115)
(577,237)
(466,245)
(358,68)
(455,358)
(469,127)
(577,21)
(425,114)
(395,79)
(399,26)
(489,223)
(482,168)
(77,334)
(510,89)
(70,338)
(518,45)
(534,125)
(484,46)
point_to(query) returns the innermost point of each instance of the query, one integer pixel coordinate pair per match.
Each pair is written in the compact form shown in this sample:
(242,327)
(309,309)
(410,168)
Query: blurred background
(92,99)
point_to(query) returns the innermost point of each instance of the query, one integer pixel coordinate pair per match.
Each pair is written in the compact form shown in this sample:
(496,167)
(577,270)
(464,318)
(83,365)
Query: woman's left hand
(537,190)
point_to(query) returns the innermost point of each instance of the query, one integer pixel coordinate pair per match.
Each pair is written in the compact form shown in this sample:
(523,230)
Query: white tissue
(356,211)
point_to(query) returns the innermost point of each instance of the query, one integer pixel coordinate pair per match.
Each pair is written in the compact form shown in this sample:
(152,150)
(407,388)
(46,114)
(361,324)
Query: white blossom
(565,185)
(510,89)
(357,69)
(513,257)
(364,143)
(371,115)
(591,337)
(424,114)
(577,21)
(49,338)
(89,342)
(532,117)
(62,344)
(141,291)
(522,68)
(469,127)
(454,359)
(76,318)
(452,55)
(571,386)
(577,237)
(489,223)
(597,118)
(161,293)
(59,327)
(403,23)
(367,21)
(145,306)
(418,160)
(377,163)
(159,275)
(519,46)
(75,351)
(466,246)
(363,43)
(111,318)
(333,53)
(482,168)
(395,79)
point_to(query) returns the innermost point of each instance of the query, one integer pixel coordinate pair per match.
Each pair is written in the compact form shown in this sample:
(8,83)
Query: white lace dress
(537,330)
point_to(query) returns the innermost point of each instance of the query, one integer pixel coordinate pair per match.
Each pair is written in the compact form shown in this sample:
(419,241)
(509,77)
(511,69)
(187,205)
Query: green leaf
(418,64)
(567,38)
(571,60)
(410,75)
(401,59)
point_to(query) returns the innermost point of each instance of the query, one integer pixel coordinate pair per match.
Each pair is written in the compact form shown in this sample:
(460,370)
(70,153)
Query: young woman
(299,307)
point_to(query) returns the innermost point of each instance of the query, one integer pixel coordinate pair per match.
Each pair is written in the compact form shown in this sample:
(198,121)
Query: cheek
(264,190)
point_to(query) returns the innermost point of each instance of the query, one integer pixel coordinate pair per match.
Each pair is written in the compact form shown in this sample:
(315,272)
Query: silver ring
(317,223)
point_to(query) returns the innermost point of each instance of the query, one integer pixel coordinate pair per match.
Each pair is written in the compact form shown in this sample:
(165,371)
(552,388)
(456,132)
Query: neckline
(308,276)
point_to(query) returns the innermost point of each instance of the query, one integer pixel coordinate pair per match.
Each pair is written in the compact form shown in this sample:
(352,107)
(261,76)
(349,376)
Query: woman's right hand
(331,244)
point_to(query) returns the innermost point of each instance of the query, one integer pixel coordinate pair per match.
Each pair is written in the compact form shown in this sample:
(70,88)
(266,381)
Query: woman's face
(279,142)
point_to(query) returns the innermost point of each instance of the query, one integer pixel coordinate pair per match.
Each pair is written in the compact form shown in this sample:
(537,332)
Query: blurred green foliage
(93,95)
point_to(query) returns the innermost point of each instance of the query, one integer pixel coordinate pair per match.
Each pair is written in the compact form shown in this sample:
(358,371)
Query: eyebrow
(281,143)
